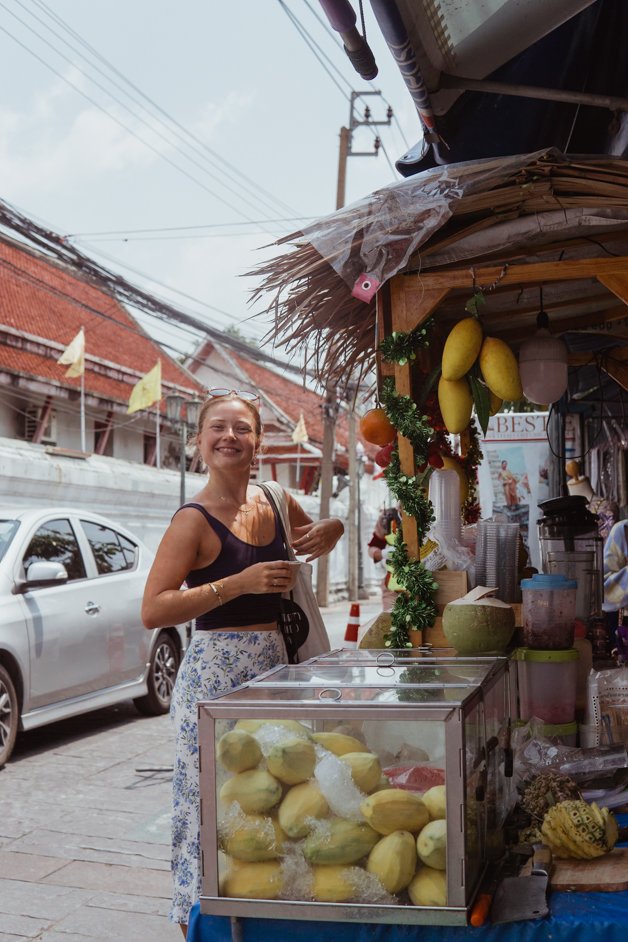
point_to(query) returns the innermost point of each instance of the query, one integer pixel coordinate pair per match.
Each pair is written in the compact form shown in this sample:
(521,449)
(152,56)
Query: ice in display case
(344,788)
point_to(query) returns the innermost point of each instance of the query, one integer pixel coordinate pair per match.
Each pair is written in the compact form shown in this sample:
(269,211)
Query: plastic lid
(538,656)
(553,729)
(560,729)
(545,581)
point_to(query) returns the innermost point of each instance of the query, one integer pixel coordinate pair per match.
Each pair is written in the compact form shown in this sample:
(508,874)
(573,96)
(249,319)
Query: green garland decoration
(401,348)
(415,607)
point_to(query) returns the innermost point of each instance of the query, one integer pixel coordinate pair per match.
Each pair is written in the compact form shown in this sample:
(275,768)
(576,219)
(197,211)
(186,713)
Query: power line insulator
(377,144)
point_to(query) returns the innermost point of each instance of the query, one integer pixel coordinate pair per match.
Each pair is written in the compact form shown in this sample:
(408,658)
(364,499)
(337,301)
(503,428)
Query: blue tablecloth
(574,917)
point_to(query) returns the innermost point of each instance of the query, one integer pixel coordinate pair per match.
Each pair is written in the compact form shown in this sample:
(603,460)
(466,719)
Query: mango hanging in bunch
(500,369)
(462,348)
(456,403)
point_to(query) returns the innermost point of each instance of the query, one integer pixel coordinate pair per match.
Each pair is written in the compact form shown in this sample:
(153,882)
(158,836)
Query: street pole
(327,475)
(182,463)
(352,555)
(331,402)
(330,409)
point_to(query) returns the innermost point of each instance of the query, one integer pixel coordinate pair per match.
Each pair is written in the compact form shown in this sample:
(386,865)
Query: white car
(71,636)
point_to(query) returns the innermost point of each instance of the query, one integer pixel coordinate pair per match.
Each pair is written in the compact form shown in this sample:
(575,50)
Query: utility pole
(330,408)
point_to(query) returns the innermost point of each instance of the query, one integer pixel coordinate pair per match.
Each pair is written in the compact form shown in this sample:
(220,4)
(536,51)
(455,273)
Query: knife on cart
(524,896)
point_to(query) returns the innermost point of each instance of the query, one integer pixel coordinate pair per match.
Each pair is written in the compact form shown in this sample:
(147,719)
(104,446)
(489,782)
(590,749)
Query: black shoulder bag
(291,620)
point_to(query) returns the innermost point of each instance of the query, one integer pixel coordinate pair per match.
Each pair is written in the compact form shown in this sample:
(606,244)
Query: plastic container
(565,734)
(549,611)
(585,663)
(578,566)
(547,684)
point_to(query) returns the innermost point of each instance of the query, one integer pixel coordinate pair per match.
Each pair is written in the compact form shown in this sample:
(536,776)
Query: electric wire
(208,225)
(138,97)
(183,294)
(313,46)
(336,39)
(233,173)
(114,118)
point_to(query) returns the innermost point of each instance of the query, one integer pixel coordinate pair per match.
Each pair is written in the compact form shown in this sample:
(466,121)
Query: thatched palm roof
(536,207)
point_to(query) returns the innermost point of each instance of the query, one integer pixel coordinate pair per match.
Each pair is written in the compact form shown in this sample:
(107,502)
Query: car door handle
(92,609)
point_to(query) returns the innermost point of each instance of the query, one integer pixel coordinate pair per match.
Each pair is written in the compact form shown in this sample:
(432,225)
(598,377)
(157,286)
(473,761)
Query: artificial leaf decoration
(481,400)
(475,303)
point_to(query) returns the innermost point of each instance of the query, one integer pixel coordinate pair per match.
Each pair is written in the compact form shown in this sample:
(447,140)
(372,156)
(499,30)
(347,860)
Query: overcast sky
(235,75)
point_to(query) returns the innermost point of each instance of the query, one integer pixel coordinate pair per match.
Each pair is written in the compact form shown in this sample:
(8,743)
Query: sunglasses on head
(218,391)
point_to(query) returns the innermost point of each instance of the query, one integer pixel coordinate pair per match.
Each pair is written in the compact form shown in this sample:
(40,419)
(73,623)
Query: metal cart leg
(237,934)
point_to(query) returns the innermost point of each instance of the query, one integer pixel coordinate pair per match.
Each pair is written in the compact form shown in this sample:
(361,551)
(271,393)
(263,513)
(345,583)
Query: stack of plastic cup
(444,495)
(496,558)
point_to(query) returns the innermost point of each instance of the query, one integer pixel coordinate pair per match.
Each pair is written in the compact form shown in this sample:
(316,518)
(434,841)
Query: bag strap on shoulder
(275,494)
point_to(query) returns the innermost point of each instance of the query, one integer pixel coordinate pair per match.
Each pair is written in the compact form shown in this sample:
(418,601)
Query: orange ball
(375,427)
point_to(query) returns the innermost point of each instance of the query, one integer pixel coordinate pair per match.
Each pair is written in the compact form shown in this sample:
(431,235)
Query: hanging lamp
(543,365)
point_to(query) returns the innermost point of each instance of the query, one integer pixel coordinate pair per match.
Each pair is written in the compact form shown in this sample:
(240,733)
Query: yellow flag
(74,356)
(300,432)
(147,390)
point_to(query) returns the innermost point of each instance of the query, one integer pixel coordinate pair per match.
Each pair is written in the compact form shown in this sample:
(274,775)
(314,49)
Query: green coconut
(481,626)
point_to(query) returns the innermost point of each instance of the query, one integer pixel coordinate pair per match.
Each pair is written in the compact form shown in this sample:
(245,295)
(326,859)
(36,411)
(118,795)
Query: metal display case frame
(318,702)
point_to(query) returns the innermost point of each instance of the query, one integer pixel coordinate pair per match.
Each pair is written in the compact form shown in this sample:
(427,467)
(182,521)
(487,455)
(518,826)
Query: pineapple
(575,828)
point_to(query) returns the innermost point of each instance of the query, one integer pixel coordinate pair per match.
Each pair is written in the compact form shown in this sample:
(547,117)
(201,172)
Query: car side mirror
(44,574)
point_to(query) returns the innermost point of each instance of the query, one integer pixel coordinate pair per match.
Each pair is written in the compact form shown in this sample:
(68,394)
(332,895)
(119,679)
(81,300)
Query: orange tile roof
(293,399)
(46,299)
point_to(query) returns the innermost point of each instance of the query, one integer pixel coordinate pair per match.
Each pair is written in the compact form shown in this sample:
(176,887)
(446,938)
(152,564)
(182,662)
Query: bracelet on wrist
(217,588)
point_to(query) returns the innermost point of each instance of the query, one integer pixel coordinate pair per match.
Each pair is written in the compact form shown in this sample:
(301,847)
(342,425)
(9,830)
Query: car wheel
(162,673)
(9,715)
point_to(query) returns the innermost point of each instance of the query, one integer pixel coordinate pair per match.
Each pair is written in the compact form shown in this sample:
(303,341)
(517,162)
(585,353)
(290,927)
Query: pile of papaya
(476,370)
(285,837)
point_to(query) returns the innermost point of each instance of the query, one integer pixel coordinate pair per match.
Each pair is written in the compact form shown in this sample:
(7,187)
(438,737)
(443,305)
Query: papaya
(335,884)
(395,809)
(238,751)
(456,404)
(339,842)
(431,844)
(338,743)
(500,369)
(393,860)
(254,838)
(366,770)
(254,790)
(292,761)
(261,880)
(435,799)
(300,805)
(428,888)
(462,348)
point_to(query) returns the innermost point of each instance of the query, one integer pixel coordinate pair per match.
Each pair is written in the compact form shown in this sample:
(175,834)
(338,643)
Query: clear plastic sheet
(378,234)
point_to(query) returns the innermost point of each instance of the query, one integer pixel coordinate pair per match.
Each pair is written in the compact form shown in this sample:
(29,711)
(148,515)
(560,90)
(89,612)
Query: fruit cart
(308,782)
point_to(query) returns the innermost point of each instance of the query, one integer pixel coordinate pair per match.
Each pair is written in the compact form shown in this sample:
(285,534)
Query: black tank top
(236,555)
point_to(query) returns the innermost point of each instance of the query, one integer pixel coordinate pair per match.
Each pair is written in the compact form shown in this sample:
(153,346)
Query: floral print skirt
(215,662)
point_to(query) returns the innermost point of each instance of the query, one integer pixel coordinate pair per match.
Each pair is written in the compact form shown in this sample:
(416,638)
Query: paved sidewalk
(85,833)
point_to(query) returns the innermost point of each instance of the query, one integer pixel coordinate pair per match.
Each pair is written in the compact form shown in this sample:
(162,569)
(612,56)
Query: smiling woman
(222,562)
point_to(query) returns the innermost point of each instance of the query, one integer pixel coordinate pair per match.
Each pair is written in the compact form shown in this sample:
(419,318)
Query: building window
(103,438)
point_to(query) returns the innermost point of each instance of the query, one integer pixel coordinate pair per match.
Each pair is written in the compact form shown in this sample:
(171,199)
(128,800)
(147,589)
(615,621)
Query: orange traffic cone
(351,634)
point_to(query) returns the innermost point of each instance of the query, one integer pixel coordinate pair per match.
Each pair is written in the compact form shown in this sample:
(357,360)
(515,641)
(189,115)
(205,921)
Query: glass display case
(348,788)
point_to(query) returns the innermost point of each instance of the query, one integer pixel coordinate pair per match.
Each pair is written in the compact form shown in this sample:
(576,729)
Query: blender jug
(568,526)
